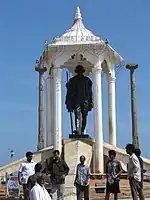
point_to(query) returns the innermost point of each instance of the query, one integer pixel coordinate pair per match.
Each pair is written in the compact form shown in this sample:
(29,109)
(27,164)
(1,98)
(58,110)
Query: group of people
(134,173)
(33,178)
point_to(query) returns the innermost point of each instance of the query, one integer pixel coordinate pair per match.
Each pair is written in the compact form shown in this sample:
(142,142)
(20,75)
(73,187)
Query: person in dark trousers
(134,173)
(58,170)
(26,169)
(82,179)
(138,154)
(32,179)
(113,172)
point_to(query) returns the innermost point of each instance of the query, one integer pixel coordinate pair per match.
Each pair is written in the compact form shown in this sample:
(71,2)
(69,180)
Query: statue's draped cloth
(79,93)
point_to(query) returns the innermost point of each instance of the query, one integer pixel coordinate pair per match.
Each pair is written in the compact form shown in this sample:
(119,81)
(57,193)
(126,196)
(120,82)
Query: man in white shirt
(27,168)
(138,154)
(134,173)
(38,192)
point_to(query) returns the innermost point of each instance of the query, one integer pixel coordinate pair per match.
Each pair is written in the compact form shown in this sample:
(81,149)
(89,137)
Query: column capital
(57,70)
(50,76)
(98,62)
(97,69)
(111,79)
(57,73)
(40,69)
(132,66)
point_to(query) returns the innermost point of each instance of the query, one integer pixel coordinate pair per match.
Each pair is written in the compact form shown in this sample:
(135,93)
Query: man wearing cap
(79,98)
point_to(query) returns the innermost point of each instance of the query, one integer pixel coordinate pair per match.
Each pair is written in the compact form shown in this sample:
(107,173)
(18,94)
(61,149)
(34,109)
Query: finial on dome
(77,14)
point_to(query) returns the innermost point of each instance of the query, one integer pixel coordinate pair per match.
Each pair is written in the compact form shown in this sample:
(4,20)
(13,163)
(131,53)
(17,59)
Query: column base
(73,136)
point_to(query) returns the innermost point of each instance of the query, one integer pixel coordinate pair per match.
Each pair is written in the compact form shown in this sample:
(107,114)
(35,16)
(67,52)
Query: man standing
(138,154)
(58,170)
(82,179)
(38,192)
(134,173)
(32,179)
(113,171)
(27,168)
(79,98)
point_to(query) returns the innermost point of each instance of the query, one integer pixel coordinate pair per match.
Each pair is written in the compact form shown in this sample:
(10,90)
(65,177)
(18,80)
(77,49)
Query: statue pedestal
(73,136)
(73,149)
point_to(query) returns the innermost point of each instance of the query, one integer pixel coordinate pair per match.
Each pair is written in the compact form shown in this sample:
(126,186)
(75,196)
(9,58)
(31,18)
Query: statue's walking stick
(71,119)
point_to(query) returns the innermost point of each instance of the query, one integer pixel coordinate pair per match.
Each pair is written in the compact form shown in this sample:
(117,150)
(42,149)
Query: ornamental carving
(97,49)
(111,79)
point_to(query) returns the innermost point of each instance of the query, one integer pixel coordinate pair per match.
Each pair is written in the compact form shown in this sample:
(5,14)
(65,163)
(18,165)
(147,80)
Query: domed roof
(77,33)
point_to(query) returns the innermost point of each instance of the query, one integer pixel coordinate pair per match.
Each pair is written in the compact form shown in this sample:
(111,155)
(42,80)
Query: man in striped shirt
(82,179)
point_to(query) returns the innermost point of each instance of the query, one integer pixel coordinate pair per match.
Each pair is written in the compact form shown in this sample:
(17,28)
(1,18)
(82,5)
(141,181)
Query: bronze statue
(79,98)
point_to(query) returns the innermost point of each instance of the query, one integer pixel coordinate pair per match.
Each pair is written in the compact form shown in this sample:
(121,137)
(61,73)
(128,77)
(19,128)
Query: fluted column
(98,128)
(57,109)
(41,71)
(50,110)
(112,110)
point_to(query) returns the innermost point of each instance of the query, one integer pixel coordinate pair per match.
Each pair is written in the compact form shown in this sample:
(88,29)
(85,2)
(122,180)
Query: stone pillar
(112,110)
(50,110)
(57,109)
(41,71)
(135,136)
(98,129)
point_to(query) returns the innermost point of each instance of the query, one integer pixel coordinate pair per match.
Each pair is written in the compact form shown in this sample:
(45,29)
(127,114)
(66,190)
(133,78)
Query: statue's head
(79,69)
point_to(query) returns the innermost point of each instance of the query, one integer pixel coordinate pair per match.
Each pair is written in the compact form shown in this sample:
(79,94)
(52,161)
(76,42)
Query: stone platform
(72,149)
(77,137)
(42,155)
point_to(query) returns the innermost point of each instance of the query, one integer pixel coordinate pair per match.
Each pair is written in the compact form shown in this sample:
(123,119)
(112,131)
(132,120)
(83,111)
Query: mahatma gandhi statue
(79,98)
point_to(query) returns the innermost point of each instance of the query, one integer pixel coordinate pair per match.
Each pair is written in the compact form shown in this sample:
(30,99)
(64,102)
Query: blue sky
(25,25)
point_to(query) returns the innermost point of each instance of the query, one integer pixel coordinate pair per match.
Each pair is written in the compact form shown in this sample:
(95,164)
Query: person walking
(82,179)
(27,168)
(38,192)
(134,173)
(138,154)
(113,172)
(58,170)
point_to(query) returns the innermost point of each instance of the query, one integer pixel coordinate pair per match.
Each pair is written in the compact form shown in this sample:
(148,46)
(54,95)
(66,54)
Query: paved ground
(3,198)
(125,191)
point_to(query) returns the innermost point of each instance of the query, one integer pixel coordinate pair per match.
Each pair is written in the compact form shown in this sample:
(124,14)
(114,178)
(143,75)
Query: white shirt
(134,169)
(27,169)
(39,193)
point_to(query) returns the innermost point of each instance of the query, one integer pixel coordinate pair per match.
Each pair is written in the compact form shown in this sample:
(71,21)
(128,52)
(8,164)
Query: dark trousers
(25,192)
(80,119)
(83,191)
(136,189)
